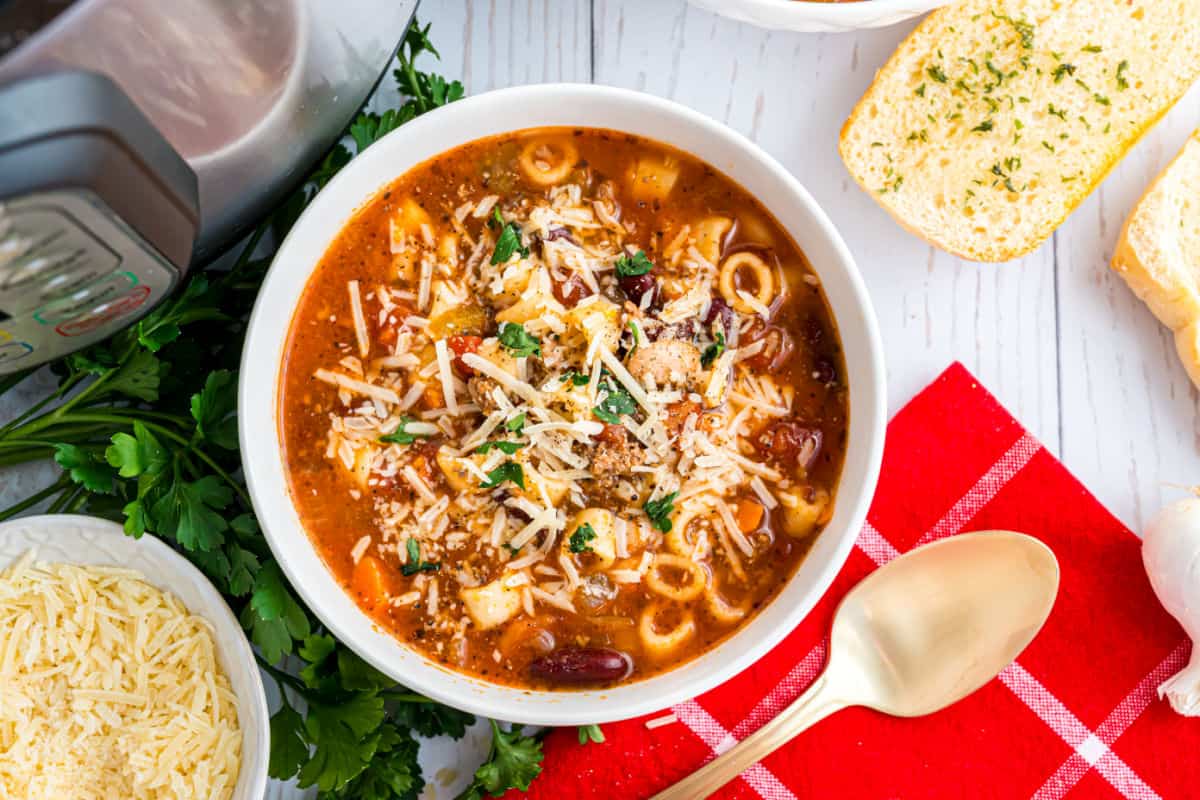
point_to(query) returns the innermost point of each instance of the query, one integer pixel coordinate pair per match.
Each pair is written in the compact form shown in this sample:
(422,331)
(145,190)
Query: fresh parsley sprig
(519,342)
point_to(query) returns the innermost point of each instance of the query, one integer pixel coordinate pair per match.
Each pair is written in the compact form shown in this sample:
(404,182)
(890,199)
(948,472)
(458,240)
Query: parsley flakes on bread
(994,120)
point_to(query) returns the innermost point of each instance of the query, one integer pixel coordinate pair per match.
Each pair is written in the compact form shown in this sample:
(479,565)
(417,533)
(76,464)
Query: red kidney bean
(582,665)
(560,233)
(719,309)
(570,291)
(791,443)
(636,287)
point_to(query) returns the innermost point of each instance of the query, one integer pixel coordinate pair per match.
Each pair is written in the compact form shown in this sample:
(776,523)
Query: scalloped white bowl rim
(503,111)
(84,540)
(805,16)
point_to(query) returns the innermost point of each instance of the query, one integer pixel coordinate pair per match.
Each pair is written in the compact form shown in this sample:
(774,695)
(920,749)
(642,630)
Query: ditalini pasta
(563,407)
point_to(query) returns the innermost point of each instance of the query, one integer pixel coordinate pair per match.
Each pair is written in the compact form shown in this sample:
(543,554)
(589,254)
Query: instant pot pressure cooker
(138,137)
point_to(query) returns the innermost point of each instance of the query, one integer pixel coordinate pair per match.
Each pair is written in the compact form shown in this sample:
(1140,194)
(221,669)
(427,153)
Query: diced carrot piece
(368,582)
(749,514)
(433,397)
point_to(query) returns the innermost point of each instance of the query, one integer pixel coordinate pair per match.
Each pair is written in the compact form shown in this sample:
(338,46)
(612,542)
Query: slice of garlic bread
(995,118)
(1158,253)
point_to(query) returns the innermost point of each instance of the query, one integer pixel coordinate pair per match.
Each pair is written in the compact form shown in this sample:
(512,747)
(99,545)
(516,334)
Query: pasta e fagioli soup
(563,408)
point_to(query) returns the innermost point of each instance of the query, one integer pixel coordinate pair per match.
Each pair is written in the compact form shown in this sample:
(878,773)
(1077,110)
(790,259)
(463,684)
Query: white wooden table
(1056,336)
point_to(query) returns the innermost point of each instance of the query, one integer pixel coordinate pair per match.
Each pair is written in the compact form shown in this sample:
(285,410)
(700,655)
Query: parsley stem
(64,387)
(64,500)
(283,678)
(58,486)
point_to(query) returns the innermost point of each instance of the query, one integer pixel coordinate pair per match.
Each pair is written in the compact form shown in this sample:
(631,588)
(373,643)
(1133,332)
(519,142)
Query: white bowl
(76,539)
(816,17)
(501,112)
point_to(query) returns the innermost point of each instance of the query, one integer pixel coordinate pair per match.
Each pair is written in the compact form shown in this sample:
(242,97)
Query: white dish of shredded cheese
(123,674)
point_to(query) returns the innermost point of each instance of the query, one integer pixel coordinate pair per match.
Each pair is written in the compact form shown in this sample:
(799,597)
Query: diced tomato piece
(460,346)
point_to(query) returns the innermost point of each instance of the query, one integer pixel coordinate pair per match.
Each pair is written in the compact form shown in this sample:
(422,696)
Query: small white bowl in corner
(805,16)
(76,539)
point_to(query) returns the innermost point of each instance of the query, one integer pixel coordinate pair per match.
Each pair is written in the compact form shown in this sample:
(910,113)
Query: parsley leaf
(138,454)
(433,719)
(713,351)
(346,739)
(402,436)
(575,377)
(517,341)
(660,511)
(213,409)
(85,468)
(616,402)
(393,772)
(639,264)
(516,424)
(368,128)
(509,240)
(414,564)
(273,617)
(289,748)
(189,512)
(513,762)
(590,733)
(508,448)
(508,471)
(580,538)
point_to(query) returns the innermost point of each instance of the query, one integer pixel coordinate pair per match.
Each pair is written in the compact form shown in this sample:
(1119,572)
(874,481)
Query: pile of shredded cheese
(110,689)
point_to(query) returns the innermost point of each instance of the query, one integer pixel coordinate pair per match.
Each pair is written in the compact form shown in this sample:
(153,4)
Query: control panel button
(104,313)
(14,351)
(87,299)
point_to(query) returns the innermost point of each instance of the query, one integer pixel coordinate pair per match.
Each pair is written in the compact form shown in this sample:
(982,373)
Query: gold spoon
(916,635)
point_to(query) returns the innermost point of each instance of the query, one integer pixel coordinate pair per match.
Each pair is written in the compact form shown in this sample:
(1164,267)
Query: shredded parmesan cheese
(111,689)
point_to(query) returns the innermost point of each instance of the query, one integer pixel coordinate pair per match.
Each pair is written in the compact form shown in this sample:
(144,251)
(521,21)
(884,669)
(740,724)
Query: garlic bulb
(1171,554)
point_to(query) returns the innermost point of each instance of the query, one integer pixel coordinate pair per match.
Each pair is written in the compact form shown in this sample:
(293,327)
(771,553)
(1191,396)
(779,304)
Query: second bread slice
(994,120)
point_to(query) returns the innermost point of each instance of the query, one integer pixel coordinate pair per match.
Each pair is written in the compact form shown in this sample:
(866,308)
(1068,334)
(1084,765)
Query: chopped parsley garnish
(713,351)
(639,264)
(1050,109)
(508,448)
(1024,29)
(414,563)
(616,402)
(508,471)
(1102,100)
(934,71)
(518,342)
(516,424)
(920,90)
(1062,71)
(576,377)
(580,538)
(639,338)
(1092,48)
(660,510)
(984,126)
(509,240)
(1122,82)
(401,436)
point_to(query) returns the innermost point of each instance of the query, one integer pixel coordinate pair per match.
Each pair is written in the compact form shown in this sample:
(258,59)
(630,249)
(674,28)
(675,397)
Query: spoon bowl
(918,634)
(933,626)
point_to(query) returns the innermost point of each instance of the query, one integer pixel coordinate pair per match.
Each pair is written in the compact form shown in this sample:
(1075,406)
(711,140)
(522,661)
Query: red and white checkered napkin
(1075,716)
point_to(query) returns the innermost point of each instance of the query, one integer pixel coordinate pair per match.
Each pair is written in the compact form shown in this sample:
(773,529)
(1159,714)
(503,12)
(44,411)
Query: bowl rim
(264,353)
(218,614)
(856,14)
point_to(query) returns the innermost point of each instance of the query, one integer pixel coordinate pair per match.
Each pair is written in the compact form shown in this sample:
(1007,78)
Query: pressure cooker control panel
(71,273)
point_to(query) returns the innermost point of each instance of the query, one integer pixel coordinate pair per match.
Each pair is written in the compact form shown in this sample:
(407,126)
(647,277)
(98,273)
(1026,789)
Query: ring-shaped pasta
(721,609)
(764,277)
(697,579)
(541,171)
(660,643)
(677,538)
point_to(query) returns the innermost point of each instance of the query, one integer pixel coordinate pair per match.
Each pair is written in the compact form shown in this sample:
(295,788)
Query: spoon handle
(811,707)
